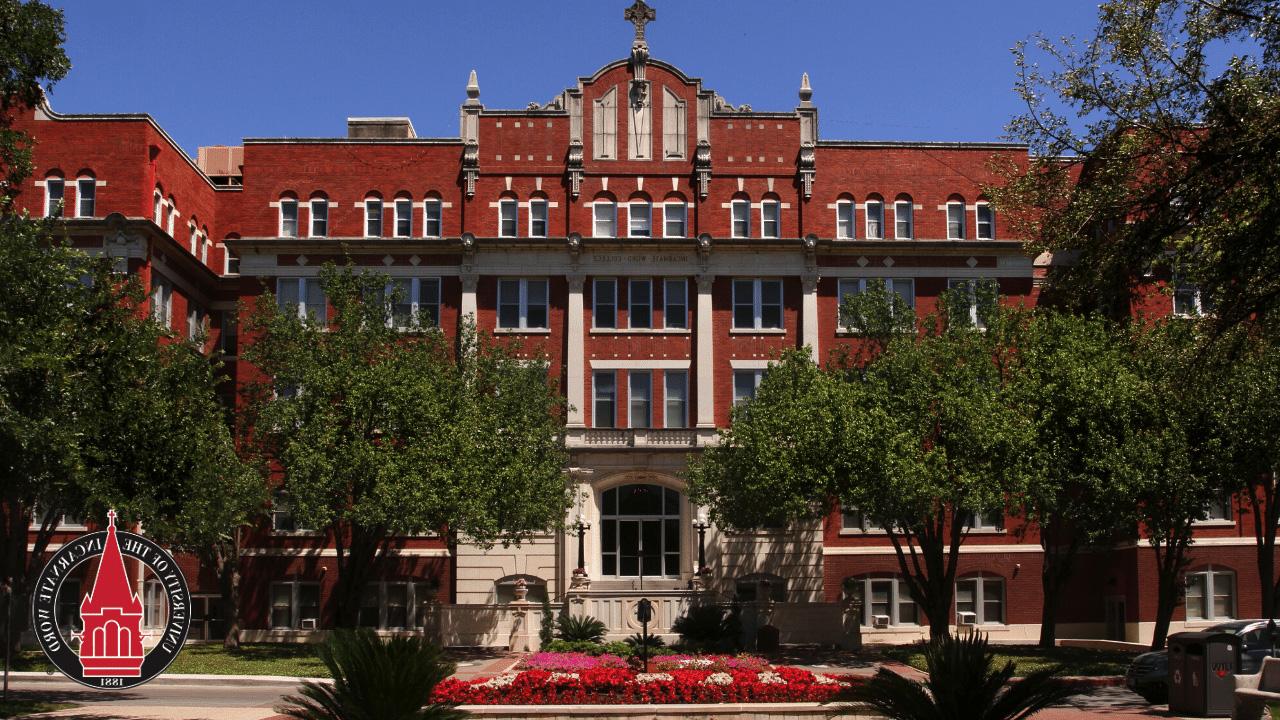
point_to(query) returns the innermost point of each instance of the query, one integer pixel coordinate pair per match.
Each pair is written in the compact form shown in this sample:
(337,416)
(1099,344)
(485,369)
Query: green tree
(381,432)
(31,56)
(1143,143)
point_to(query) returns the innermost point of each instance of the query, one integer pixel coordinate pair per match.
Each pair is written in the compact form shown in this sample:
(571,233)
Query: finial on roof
(639,14)
(806,92)
(473,89)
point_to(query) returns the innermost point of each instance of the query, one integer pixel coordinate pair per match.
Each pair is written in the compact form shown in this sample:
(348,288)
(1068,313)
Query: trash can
(1201,668)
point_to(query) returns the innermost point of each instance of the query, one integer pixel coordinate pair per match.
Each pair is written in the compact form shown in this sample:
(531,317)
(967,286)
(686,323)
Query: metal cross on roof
(639,14)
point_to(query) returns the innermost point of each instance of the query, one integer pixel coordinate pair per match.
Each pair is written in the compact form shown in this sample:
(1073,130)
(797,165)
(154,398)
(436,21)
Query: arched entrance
(640,531)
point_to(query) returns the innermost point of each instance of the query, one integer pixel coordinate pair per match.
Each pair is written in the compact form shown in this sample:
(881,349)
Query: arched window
(604,215)
(1211,594)
(55,190)
(874,210)
(538,215)
(86,194)
(740,216)
(986,220)
(845,211)
(955,218)
(170,213)
(759,586)
(674,125)
(205,242)
(904,226)
(980,600)
(640,531)
(884,600)
(675,216)
(432,216)
(508,215)
(319,214)
(288,215)
(770,216)
(604,126)
(373,215)
(157,206)
(639,216)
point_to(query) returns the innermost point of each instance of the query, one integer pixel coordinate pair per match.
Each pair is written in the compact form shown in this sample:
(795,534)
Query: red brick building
(660,245)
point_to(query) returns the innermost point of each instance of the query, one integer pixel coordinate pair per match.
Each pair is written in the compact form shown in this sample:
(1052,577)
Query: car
(1148,675)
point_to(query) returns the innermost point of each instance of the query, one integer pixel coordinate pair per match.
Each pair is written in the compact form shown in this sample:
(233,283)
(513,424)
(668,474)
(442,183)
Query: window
(413,302)
(605,214)
(675,296)
(432,214)
(86,195)
(745,383)
(757,304)
(67,611)
(372,218)
(508,211)
(170,211)
(955,220)
(230,262)
(903,223)
(395,605)
(605,403)
(154,605)
(640,531)
(980,601)
(885,601)
(851,518)
(967,289)
(195,323)
(1219,510)
(640,398)
(604,312)
(640,215)
(295,605)
(674,125)
(675,216)
(282,518)
(229,336)
(904,287)
(1188,301)
(303,296)
(404,217)
(740,211)
(319,217)
(195,239)
(992,520)
(204,248)
(604,127)
(986,221)
(875,220)
(522,304)
(769,210)
(640,303)
(1211,594)
(288,218)
(537,218)
(54,189)
(157,208)
(677,399)
(162,301)
(844,220)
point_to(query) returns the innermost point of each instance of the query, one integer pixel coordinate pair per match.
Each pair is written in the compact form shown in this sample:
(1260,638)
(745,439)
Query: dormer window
(54,190)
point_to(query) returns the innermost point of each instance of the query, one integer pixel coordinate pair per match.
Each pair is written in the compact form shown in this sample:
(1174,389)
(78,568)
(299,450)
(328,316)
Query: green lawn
(22,708)
(250,659)
(1028,658)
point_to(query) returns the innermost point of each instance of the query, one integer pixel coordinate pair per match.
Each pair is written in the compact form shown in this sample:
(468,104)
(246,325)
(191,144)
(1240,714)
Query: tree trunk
(1171,556)
(1266,514)
(229,582)
(365,550)
(1059,562)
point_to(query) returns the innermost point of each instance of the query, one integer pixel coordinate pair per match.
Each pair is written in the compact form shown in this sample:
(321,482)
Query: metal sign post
(644,613)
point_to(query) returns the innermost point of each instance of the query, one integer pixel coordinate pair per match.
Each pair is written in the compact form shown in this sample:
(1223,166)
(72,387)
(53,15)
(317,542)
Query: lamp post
(581,526)
(701,524)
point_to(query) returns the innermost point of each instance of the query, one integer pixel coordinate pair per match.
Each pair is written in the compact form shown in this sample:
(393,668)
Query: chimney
(383,128)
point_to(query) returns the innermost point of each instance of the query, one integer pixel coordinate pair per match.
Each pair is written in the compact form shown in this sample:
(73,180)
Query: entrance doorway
(1114,613)
(640,531)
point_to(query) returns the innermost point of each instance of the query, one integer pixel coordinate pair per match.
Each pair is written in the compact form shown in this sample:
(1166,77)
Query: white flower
(718,678)
(825,680)
(771,678)
(499,681)
(559,676)
(652,677)
(696,662)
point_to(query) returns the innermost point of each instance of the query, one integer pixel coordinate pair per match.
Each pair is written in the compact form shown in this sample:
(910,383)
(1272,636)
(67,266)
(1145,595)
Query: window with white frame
(757,304)
(319,217)
(155,605)
(676,394)
(955,220)
(903,220)
(196,319)
(1188,301)
(404,217)
(844,219)
(852,518)
(980,600)
(295,605)
(303,297)
(1211,594)
(1219,509)
(604,214)
(745,383)
(604,298)
(604,398)
(170,212)
(875,219)
(413,302)
(283,519)
(161,300)
(157,208)
(675,219)
(639,303)
(740,216)
(640,398)
(675,298)
(55,189)
(990,521)
(432,217)
(966,291)
(195,238)
(986,221)
(372,217)
(846,287)
(508,217)
(538,218)
(289,218)
(885,601)
(204,248)
(397,605)
(770,218)
(522,304)
(86,196)
(640,219)
(230,262)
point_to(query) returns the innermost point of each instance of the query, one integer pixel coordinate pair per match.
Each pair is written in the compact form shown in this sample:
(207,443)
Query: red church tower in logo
(111,642)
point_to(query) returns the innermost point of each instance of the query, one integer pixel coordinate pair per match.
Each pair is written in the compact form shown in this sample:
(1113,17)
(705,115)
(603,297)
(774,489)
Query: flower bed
(571,661)
(619,686)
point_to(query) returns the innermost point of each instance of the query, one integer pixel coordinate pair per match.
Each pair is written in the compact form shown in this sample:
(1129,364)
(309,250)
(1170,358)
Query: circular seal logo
(110,651)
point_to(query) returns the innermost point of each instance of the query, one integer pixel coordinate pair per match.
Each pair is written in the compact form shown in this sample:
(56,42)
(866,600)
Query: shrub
(648,642)
(372,678)
(708,626)
(547,627)
(581,627)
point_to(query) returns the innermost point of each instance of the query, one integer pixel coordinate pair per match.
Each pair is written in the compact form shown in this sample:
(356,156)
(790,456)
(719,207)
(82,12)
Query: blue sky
(215,72)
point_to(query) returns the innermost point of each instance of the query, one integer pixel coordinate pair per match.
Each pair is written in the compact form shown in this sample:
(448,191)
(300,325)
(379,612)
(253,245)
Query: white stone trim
(751,364)
(641,364)
(964,550)
(333,552)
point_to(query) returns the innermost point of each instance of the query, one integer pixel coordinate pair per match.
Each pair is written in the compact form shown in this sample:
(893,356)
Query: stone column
(469,283)
(809,313)
(575,350)
(705,355)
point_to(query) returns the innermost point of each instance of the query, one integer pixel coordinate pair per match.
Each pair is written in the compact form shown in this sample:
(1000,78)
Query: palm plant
(963,684)
(375,679)
(576,628)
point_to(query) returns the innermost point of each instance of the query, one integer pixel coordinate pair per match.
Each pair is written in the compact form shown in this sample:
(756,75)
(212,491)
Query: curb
(175,679)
